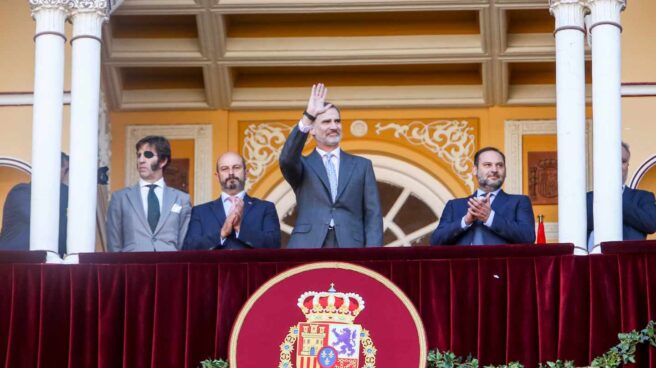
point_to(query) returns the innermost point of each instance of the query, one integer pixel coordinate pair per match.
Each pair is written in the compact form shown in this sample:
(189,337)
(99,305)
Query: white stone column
(47,124)
(570,102)
(606,110)
(87,17)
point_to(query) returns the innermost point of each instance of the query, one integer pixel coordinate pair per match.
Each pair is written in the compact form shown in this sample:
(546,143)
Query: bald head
(231,171)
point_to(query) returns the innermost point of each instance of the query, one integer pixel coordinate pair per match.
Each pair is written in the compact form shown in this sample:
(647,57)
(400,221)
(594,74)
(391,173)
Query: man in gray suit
(336,193)
(148,216)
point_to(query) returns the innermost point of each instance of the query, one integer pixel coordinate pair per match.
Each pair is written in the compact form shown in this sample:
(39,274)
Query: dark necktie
(153,207)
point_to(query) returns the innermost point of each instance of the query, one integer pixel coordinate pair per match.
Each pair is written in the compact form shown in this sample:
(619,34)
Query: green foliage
(558,364)
(214,363)
(447,359)
(622,353)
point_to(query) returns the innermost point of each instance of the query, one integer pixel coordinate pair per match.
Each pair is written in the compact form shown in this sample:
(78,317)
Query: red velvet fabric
(174,310)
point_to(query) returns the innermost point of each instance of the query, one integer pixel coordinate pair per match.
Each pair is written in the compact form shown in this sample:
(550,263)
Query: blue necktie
(332,175)
(153,207)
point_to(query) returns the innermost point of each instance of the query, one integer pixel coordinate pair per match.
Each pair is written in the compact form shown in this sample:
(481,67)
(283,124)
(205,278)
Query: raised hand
(480,208)
(317,100)
(237,211)
(227,227)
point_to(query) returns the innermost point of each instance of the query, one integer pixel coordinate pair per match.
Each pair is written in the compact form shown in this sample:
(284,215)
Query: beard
(332,140)
(493,184)
(233,182)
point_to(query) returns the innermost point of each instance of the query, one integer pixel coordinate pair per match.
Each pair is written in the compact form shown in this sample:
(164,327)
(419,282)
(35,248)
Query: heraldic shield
(328,338)
(314,316)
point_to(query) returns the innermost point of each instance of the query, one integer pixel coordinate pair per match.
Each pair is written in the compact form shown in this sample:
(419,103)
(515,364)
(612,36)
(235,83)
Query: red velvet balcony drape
(153,310)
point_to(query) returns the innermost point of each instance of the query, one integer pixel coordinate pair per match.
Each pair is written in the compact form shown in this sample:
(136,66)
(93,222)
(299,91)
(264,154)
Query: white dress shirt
(159,192)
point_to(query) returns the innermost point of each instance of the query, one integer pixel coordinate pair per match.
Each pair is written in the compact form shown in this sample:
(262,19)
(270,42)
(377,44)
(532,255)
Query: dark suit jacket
(260,227)
(356,211)
(15,233)
(513,222)
(638,213)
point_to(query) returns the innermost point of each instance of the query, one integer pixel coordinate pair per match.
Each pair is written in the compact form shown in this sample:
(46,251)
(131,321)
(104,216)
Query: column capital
(99,7)
(38,5)
(568,13)
(605,12)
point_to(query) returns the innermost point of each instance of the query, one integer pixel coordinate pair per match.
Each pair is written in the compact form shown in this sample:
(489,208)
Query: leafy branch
(622,353)
(214,363)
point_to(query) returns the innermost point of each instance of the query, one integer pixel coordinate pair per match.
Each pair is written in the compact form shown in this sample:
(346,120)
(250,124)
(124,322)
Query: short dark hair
(487,149)
(161,144)
(626,147)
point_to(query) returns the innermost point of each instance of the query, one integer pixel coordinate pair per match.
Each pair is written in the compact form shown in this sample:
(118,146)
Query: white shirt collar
(494,194)
(335,152)
(160,183)
(225,196)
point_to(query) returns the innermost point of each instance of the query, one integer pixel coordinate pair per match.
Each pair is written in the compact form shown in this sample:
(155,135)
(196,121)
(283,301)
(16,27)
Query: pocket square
(176,208)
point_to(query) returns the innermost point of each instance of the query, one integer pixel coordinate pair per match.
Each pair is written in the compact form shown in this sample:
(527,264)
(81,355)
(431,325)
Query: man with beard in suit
(235,220)
(489,216)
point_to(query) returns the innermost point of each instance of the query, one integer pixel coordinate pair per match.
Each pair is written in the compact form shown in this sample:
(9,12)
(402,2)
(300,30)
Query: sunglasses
(146,154)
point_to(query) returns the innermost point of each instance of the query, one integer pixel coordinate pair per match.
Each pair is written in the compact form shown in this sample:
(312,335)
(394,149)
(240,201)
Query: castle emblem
(328,338)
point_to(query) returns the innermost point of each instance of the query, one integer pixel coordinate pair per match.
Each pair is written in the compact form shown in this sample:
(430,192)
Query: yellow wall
(17,72)
(17,48)
(638,51)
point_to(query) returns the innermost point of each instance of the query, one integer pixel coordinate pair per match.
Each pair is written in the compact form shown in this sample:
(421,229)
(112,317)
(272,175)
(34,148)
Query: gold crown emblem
(330,306)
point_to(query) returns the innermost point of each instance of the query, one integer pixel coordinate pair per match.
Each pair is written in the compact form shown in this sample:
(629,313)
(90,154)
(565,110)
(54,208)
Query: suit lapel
(134,197)
(500,201)
(168,197)
(218,212)
(316,163)
(248,204)
(346,163)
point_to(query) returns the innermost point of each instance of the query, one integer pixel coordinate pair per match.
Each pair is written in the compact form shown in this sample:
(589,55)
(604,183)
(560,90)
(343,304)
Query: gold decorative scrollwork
(262,145)
(452,141)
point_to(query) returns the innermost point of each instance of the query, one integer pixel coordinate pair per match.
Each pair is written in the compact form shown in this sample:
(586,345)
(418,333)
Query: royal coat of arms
(328,338)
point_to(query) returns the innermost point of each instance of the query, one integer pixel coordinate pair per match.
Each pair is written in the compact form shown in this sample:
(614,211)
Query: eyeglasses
(146,154)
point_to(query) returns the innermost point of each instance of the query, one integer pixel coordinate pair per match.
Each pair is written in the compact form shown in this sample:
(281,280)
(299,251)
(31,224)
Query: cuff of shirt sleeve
(488,223)
(302,127)
(463,224)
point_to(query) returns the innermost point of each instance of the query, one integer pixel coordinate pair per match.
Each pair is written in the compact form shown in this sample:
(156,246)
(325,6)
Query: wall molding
(25,98)
(16,164)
